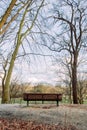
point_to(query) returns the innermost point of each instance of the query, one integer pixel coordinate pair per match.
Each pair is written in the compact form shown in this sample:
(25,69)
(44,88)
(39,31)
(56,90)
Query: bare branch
(7,13)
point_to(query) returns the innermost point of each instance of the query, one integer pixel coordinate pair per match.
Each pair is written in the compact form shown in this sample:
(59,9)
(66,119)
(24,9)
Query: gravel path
(50,114)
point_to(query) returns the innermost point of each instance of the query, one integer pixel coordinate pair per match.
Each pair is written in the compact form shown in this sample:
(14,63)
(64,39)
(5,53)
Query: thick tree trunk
(2,94)
(74,80)
(6,88)
(70,96)
(6,92)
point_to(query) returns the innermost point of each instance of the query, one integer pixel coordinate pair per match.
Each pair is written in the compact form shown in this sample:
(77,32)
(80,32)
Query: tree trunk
(6,89)
(7,13)
(74,79)
(70,96)
(6,92)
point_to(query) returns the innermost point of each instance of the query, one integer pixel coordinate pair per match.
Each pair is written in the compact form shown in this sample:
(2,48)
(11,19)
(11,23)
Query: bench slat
(41,97)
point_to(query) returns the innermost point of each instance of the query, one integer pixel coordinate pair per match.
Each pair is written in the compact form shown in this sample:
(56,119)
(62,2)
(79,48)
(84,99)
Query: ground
(43,117)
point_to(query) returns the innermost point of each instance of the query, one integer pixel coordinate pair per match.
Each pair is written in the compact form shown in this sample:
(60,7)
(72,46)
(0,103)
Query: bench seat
(42,97)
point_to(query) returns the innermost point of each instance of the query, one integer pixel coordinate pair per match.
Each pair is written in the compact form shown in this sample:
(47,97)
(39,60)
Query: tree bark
(74,79)
(6,91)
(20,36)
(7,13)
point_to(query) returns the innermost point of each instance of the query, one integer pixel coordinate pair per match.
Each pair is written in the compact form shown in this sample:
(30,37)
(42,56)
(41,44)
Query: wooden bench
(42,97)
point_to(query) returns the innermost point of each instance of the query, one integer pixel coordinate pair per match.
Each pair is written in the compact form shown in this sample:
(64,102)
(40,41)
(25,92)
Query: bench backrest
(42,96)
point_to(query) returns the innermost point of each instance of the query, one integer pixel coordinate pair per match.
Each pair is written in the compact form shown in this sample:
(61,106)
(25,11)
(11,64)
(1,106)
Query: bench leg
(57,103)
(27,103)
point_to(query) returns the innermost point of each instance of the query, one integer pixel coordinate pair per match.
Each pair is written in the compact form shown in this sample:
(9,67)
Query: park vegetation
(25,30)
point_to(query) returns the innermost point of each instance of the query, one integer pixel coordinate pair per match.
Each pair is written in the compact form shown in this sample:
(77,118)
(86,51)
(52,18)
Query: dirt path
(49,114)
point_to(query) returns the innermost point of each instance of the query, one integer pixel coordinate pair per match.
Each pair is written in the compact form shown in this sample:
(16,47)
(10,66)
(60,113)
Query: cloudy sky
(39,70)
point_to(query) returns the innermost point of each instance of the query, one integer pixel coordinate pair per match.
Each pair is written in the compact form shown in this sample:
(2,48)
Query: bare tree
(82,88)
(70,34)
(4,65)
(11,14)
(17,89)
(6,14)
(32,8)
(68,76)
